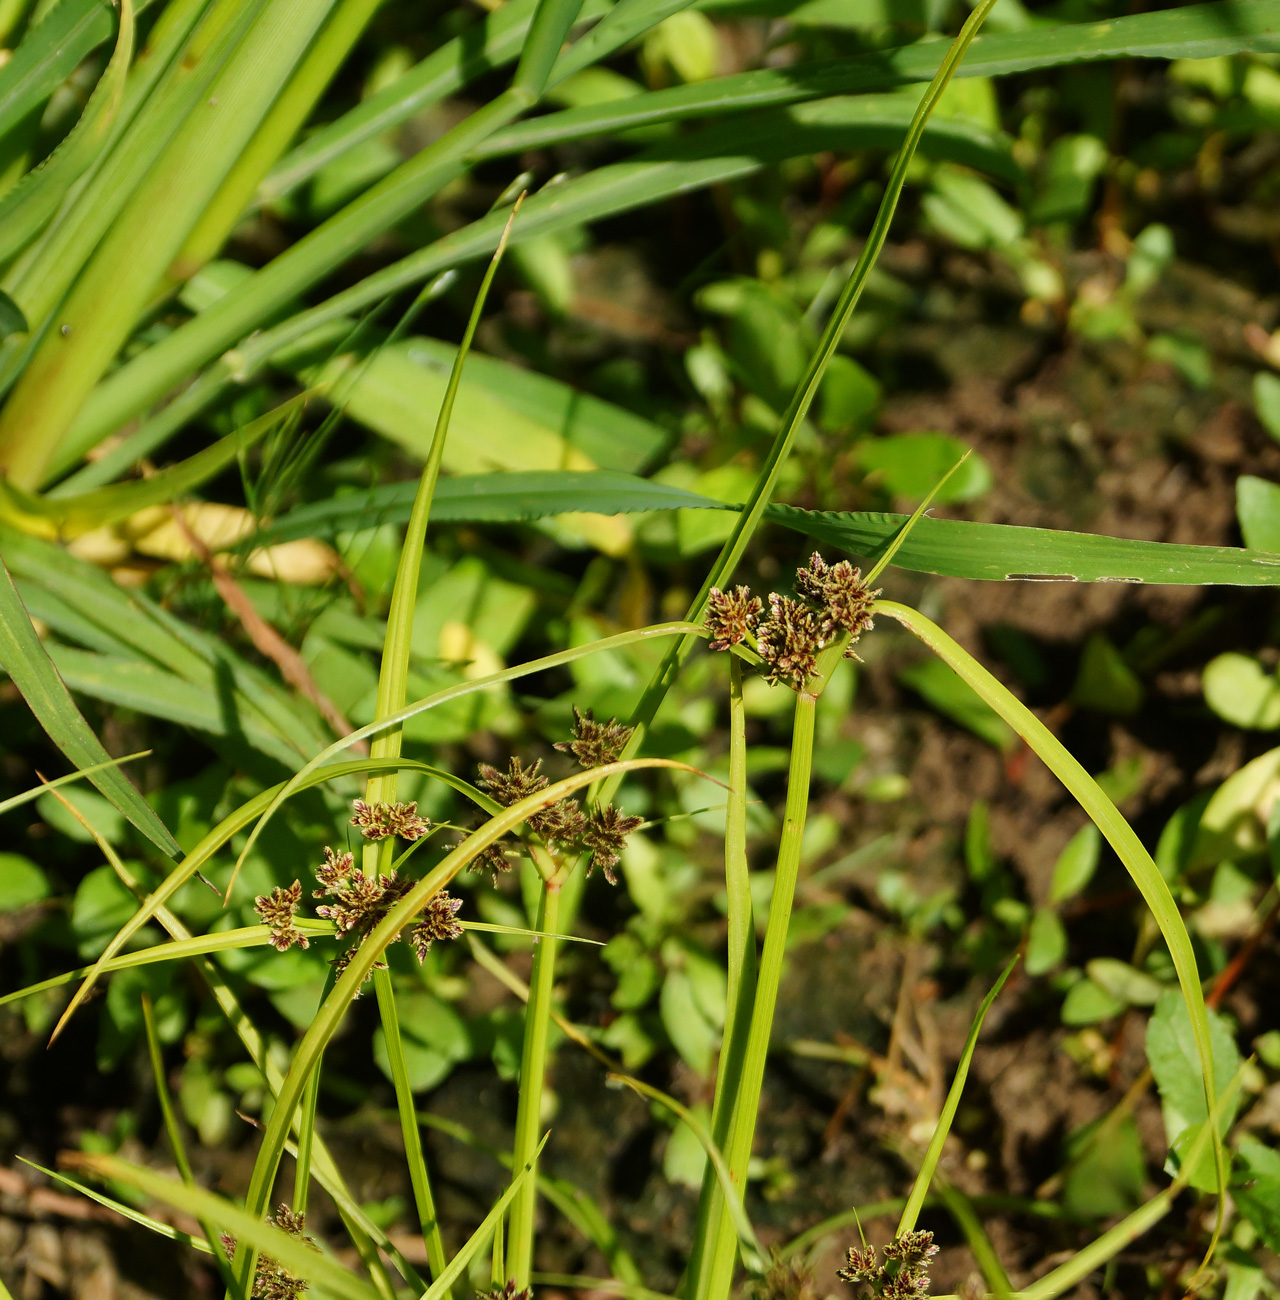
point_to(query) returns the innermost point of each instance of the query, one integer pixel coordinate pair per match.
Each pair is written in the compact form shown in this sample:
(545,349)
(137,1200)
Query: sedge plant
(137,199)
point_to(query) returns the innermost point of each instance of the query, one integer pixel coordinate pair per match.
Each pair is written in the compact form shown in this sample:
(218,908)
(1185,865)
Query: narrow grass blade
(299,1258)
(126,1211)
(961,1210)
(628,1290)
(1129,848)
(67,517)
(440,1288)
(27,208)
(896,545)
(533,1070)
(419,1179)
(17,800)
(32,672)
(495,40)
(752,1254)
(933,1153)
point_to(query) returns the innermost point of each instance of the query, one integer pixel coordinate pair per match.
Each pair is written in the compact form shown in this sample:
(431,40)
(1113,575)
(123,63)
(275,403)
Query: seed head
(337,867)
(358,902)
(515,783)
(605,834)
(731,616)
(277,910)
(560,825)
(912,1248)
(273,1281)
(508,1291)
(494,858)
(595,743)
(789,642)
(378,821)
(860,1265)
(841,594)
(437,921)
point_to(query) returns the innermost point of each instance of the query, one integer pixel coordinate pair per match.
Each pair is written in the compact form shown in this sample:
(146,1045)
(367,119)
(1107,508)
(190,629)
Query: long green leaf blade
(28,664)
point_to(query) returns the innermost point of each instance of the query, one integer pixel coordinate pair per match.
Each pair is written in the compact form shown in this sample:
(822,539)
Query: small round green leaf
(21,883)
(1240,691)
(1087,1003)
(1046,941)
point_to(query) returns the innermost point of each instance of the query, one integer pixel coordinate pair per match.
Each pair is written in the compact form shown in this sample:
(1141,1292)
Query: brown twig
(264,637)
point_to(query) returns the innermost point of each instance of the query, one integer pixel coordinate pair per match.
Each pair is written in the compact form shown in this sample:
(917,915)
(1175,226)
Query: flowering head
(731,616)
(595,743)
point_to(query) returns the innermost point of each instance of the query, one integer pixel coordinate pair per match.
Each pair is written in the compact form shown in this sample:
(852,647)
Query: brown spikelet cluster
(605,835)
(356,903)
(790,639)
(272,1281)
(559,824)
(277,910)
(788,1278)
(507,1291)
(832,601)
(438,920)
(595,743)
(840,593)
(380,821)
(731,616)
(904,1275)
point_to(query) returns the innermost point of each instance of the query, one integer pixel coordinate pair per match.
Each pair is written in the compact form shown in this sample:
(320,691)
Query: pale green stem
(533,1064)
(716,1275)
(423,1201)
(741,982)
(306,1138)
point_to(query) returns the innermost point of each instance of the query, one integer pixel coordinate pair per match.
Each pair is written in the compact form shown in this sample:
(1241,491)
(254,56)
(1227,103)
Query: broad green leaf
(1266,402)
(1239,690)
(959,549)
(1233,824)
(1076,864)
(28,664)
(1256,1189)
(689,1030)
(1104,682)
(21,882)
(1046,941)
(1175,1063)
(27,208)
(1258,510)
(909,464)
(1107,1169)
(955,548)
(1133,987)
(950,695)
(1088,1003)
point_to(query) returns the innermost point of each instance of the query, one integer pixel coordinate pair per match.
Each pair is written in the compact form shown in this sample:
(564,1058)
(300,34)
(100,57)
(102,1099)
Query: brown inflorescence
(272,1281)
(358,902)
(595,743)
(731,616)
(438,920)
(843,597)
(379,821)
(277,910)
(905,1273)
(605,835)
(790,639)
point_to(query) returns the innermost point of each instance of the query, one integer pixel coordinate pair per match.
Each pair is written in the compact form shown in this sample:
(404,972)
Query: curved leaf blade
(28,664)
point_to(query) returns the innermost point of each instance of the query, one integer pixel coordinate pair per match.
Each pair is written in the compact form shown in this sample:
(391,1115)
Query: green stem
(306,1139)
(533,1064)
(741,961)
(423,1201)
(715,1276)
